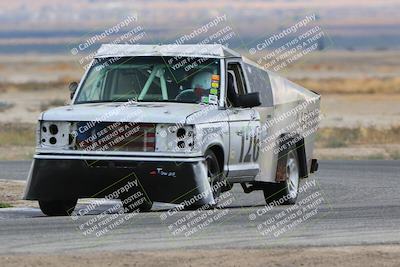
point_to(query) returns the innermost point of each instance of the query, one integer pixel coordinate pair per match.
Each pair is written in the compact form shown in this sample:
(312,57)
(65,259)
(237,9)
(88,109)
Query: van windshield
(152,79)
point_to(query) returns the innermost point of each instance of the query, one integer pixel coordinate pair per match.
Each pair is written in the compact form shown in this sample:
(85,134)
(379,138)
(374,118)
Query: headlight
(174,138)
(53,134)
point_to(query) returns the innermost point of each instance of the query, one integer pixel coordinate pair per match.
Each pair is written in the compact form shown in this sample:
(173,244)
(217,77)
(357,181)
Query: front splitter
(163,181)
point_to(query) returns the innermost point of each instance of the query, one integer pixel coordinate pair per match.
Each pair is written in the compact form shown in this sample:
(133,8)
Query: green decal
(214,91)
(204,99)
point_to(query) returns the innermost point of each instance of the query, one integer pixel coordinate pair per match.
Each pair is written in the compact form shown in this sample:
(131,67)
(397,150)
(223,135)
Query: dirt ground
(27,105)
(354,110)
(382,151)
(319,256)
(11,193)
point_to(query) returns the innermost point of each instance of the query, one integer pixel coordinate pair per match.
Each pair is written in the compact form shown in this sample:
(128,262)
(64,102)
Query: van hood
(128,112)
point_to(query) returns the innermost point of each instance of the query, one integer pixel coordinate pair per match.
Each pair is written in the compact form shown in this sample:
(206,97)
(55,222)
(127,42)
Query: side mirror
(249,100)
(72,88)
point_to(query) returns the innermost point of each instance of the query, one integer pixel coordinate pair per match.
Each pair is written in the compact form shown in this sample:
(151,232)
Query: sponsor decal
(214,81)
(204,99)
(161,172)
(213,99)
(213,91)
(215,77)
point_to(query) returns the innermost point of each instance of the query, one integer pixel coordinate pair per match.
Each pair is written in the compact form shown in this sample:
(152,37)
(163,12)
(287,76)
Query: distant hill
(54,26)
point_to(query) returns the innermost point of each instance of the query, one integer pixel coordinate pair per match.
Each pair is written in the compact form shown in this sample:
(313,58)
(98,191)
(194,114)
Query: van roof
(188,50)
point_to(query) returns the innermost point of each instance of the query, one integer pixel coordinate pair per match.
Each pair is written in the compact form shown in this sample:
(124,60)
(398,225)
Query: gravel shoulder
(11,193)
(312,256)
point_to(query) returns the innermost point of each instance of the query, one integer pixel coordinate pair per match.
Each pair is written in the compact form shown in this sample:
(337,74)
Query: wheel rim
(292,174)
(212,174)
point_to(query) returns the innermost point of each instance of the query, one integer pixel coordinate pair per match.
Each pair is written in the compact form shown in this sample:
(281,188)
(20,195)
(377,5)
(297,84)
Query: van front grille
(115,136)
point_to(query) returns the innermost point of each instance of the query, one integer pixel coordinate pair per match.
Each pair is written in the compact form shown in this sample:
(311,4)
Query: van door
(243,126)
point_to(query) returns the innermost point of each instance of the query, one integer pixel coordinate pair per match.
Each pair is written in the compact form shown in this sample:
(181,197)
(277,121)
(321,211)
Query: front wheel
(285,193)
(214,177)
(214,174)
(57,207)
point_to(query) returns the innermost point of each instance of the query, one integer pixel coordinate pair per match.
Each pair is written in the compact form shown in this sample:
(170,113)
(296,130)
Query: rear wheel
(285,192)
(57,207)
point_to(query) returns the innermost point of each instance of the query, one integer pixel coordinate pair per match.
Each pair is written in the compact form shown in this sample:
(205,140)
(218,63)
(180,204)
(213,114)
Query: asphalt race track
(352,203)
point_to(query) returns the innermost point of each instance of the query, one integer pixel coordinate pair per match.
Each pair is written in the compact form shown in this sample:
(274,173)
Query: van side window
(259,81)
(236,84)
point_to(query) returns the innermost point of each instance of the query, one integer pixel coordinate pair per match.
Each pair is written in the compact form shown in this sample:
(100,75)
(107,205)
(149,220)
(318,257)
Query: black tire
(214,172)
(285,193)
(214,175)
(144,204)
(57,207)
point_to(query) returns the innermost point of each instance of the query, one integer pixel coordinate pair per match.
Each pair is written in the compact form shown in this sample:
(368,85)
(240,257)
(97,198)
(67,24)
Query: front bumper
(161,179)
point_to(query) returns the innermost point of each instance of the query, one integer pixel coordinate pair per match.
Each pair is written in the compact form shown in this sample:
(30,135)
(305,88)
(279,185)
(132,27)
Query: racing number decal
(256,148)
(253,150)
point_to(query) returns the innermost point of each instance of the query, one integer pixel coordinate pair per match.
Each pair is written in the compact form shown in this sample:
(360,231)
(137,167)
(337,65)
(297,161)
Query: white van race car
(176,124)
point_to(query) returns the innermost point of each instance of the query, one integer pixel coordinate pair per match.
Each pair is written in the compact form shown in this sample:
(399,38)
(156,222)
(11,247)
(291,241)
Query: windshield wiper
(101,101)
(119,101)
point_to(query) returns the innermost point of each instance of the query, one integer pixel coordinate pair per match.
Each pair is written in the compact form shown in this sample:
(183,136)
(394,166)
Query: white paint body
(214,125)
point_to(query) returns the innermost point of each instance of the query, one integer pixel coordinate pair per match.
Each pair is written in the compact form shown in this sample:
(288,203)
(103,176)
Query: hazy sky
(64,21)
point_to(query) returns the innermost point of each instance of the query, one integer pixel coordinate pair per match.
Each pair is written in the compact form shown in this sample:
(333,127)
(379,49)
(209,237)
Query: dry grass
(33,86)
(344,137)
(4,205)
(11,192)
(366,143)
(5,106)
(51,104)
(17,134)
(17,141)
(352,86)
